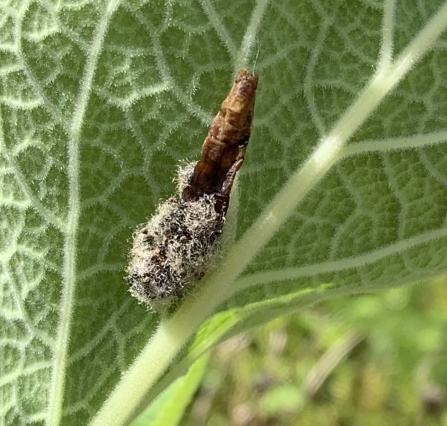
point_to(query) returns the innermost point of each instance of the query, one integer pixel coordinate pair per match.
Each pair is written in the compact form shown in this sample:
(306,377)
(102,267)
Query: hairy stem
(173,333)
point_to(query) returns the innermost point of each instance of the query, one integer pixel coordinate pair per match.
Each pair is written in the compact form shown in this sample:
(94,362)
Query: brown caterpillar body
(223,150)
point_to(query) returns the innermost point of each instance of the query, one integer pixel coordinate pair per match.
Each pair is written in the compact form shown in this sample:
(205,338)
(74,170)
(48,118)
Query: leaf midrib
(183,323)
(70,237)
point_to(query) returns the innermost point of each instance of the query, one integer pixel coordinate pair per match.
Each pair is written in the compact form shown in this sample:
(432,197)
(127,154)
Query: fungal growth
(179,243)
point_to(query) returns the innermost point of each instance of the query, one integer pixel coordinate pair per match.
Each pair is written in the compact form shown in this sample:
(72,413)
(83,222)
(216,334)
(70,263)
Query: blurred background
(363,360)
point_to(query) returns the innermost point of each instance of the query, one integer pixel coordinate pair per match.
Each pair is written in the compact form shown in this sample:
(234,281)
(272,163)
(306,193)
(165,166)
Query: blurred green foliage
(366,360)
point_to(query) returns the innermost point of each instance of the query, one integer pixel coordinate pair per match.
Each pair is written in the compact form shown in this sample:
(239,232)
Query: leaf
(98,103)
(167,409)
(281,399)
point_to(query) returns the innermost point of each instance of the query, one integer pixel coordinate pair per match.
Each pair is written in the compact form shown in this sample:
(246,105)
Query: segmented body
(224,148)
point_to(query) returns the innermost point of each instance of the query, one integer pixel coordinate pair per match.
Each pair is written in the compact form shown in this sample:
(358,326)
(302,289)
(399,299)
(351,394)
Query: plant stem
(173,333)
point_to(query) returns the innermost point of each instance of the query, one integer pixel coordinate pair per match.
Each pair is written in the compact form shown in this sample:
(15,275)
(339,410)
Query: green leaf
(281,399)
(344,189)
(167,409)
